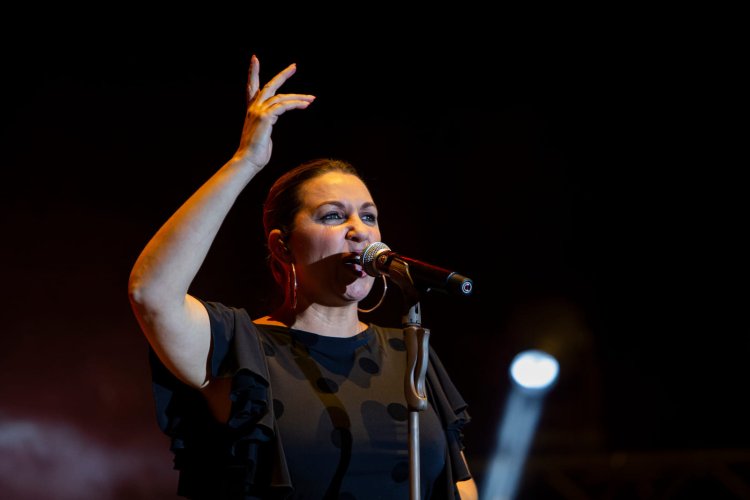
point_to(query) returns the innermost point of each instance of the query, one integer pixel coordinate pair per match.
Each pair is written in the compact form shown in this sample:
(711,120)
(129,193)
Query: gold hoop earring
(292,284)
(382,297)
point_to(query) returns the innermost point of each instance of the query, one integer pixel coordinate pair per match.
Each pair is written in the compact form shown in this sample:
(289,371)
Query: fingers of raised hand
(281,103)
(254,90)
(263,101)
(270,88)
(277,105)
(253,78)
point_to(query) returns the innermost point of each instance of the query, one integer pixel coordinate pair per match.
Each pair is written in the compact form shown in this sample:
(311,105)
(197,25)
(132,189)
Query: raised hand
(264,107)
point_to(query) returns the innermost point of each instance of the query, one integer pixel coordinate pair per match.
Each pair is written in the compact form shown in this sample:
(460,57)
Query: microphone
(377,259)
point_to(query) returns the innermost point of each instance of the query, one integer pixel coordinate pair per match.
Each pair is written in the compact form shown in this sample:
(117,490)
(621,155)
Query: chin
(359,290)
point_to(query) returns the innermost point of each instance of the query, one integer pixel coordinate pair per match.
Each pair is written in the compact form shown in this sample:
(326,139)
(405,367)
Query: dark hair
(283,200)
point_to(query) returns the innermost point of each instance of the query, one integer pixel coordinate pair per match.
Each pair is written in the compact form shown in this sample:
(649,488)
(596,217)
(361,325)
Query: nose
(358,231)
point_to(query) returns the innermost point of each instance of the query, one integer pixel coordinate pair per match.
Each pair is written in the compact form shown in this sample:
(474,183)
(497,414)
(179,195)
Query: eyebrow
(367,204)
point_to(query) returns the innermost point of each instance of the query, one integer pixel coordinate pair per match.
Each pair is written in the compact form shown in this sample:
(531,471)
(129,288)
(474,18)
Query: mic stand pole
(417,340)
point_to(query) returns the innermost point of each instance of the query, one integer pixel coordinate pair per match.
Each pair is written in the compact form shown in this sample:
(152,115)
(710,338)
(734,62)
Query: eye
(369,218)
(332,217)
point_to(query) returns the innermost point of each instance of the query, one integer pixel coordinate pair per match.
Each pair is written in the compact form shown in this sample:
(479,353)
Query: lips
(352,260)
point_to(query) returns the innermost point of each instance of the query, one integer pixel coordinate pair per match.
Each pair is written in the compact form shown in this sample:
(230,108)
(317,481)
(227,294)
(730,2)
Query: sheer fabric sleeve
(452,410)
(239,459)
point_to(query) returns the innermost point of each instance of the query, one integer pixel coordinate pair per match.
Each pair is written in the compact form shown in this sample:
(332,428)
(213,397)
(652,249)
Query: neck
(321,320)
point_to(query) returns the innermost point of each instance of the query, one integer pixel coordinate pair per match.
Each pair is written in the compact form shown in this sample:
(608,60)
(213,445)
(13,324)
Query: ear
(278,247)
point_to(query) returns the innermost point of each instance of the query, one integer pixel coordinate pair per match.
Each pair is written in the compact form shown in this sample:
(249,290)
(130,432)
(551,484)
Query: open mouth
(354,261)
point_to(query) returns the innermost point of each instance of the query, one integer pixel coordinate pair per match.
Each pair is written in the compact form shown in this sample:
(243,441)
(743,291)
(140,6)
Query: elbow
(152,299)
(136,292)
(144,297)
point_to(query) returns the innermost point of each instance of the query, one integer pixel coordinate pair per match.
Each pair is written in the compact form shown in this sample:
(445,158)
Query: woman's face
(336,221)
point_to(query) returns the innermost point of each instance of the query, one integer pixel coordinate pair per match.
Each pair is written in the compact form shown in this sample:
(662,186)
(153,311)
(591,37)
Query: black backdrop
(569,168)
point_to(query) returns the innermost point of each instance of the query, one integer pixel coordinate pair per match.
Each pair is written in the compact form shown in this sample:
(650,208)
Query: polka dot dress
(312,417)
(342,415)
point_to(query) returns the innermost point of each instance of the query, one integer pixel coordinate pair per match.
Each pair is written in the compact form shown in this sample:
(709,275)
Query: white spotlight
(533,373)
(534,370)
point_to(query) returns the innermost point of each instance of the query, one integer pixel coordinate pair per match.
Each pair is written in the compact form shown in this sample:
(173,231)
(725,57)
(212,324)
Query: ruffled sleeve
(452,410)
(243,458)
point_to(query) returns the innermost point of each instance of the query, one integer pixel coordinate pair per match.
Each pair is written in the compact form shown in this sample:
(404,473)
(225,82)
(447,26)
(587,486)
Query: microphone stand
(417,341)
(377,260)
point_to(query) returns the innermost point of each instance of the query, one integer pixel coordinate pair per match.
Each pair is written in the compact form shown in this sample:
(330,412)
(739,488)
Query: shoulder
(220,310)
(226,320)
(387,335)
(386,330)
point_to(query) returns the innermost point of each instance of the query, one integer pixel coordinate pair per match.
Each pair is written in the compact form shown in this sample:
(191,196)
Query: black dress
(312,417)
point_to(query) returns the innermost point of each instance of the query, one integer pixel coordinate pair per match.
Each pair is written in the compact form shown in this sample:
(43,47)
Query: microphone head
(368,256)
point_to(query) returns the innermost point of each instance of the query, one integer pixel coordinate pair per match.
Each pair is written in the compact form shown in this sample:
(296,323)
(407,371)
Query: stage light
(534,370)
(533,373)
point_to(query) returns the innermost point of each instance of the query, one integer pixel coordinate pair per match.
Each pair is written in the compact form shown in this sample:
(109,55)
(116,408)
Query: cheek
(314,246)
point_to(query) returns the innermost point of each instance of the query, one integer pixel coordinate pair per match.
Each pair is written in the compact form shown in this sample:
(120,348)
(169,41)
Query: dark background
(579,172)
